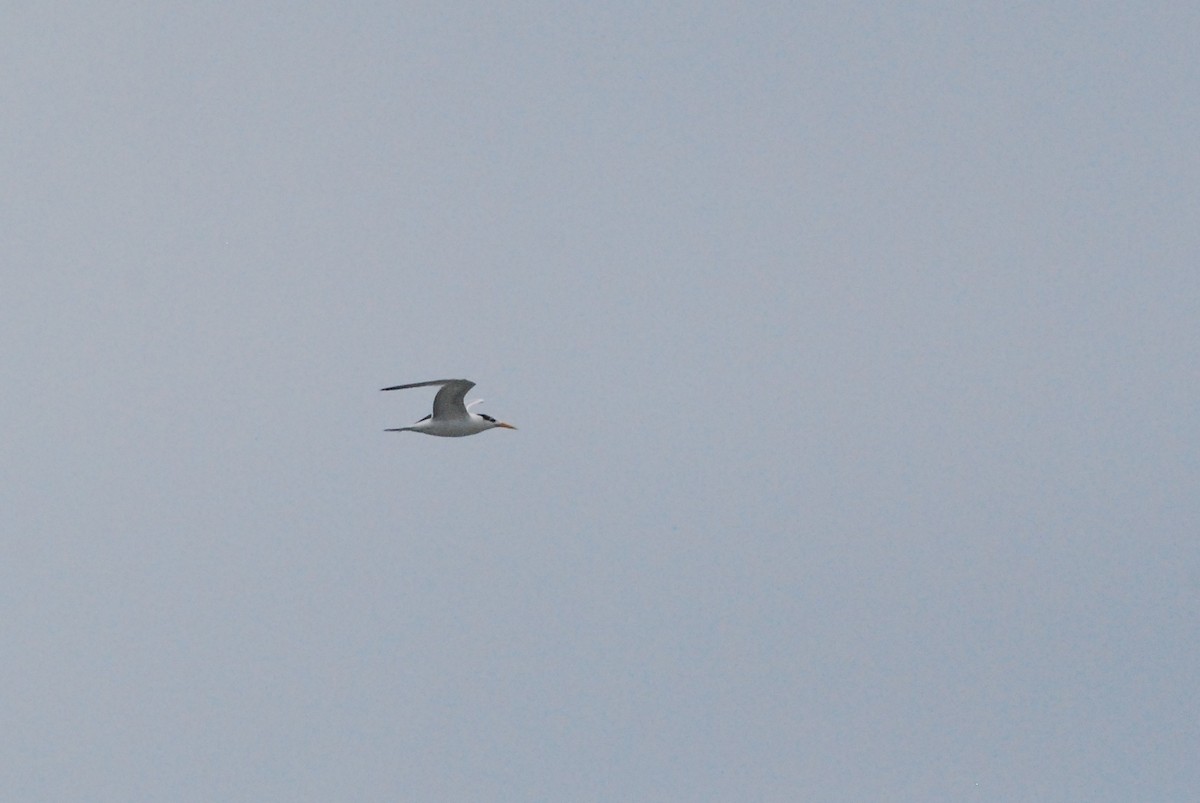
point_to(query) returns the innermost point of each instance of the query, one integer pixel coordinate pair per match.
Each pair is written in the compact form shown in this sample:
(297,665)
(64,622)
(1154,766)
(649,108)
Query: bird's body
(450,417)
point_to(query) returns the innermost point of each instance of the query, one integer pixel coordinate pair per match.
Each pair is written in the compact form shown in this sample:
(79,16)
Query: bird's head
(495,423)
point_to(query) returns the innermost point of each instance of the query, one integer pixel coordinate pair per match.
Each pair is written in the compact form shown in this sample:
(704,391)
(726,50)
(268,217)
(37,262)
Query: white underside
(451,427)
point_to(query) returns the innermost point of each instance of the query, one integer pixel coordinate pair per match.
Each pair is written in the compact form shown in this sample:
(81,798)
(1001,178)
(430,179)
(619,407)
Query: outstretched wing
(448,403)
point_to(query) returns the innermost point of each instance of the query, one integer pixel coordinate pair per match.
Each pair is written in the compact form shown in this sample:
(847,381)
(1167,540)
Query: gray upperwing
(450,400)
(428,384)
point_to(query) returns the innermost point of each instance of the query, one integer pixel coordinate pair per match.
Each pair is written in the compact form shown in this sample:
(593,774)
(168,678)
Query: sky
(853,350)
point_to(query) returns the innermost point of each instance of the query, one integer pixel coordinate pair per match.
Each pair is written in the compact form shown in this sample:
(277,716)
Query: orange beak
(504,425)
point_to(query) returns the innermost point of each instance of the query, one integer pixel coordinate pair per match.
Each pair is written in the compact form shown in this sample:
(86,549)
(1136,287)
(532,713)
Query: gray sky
(853,349)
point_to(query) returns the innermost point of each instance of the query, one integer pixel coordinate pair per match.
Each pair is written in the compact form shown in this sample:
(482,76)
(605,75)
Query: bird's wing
(448,403)
(428,384)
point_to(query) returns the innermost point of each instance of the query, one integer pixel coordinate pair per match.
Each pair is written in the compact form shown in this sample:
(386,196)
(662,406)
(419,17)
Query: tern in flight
(450,417)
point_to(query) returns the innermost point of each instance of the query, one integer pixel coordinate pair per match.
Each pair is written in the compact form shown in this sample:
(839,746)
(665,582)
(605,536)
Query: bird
(450,418)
